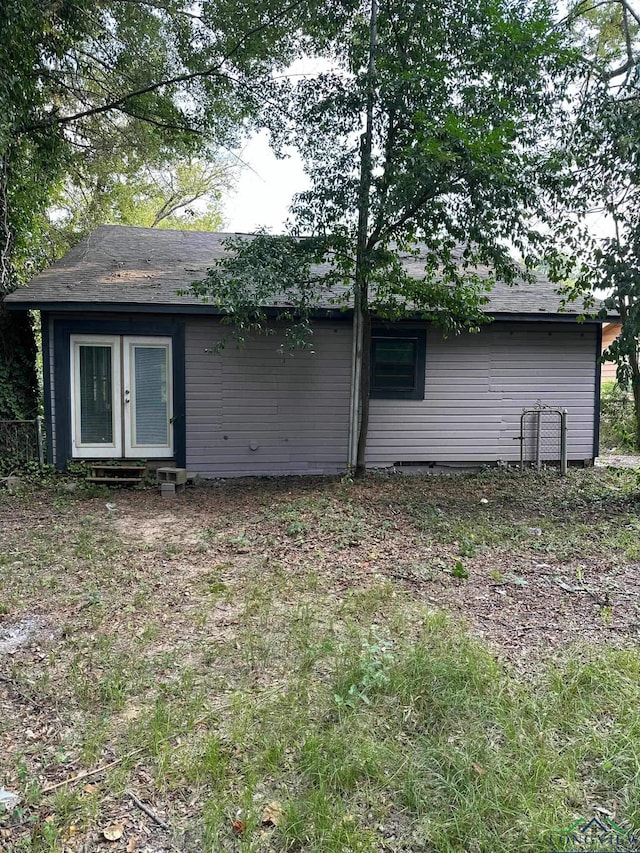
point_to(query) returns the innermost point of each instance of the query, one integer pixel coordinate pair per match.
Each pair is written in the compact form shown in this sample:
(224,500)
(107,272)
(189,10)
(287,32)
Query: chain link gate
(543,437)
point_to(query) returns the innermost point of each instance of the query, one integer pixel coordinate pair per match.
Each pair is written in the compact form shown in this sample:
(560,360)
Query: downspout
(356,368)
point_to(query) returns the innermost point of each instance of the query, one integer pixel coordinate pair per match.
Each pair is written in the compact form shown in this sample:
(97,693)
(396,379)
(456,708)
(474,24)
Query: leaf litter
(177,585)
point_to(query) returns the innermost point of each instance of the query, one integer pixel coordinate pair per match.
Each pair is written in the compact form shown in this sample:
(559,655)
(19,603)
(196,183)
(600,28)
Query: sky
(265,188)
(267,185)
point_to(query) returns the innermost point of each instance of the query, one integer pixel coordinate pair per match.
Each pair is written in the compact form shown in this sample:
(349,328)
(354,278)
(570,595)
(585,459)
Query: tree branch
(211,71)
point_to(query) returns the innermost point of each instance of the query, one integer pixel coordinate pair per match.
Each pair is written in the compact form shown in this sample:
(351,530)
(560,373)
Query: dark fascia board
(151,308)
(319,314)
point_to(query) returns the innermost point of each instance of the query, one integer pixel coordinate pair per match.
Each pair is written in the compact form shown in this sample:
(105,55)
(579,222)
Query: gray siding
(293,408)
(476,387)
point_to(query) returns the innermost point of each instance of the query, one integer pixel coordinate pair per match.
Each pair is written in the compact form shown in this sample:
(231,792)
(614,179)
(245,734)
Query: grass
(316,666)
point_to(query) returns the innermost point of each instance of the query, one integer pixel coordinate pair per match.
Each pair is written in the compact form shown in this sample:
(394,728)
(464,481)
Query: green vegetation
(271,666)
(617,418)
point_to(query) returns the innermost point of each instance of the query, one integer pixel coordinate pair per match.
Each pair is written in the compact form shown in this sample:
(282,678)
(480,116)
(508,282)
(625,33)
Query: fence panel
(20,442)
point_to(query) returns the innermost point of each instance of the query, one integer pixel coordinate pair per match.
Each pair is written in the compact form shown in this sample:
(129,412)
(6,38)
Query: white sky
(265,188)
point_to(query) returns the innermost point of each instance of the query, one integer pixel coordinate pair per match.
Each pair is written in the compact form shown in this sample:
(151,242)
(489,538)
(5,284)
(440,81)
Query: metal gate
(20,442)
(543,437)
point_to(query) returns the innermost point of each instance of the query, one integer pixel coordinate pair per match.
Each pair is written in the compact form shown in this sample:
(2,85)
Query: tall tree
(422,139)
(159,78)
(600,156)
(183,193)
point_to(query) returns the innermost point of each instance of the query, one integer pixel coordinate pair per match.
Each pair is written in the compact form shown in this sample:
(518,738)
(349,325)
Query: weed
(459,571)
(467,548)
(369,674)
(324,683)
(606,614)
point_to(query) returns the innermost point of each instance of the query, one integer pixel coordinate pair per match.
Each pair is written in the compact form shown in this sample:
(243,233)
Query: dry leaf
(272,814)
(113,832)
(479,770)
(90,789)
(133,843)
(239,827)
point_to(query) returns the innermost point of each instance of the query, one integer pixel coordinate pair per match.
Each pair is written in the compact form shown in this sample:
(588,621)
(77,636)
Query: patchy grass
(402,664)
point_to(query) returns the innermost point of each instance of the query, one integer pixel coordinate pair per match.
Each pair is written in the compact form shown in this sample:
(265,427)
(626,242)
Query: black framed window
(397,364)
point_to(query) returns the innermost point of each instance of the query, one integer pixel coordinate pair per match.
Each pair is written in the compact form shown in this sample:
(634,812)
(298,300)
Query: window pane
(394,364)
(152,409)
(96,395)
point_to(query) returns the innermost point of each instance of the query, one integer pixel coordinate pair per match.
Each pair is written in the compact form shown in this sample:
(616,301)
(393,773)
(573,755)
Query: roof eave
(207,308)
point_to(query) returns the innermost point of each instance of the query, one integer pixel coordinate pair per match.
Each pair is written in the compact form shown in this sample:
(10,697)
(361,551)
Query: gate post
(39,440)
(563,442)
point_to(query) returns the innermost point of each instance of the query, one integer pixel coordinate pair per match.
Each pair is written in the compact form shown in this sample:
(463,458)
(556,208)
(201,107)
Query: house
(610,332)
(133,370)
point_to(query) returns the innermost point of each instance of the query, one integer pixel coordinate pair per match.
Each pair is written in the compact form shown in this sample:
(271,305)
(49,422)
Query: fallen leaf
(272,814)
(479,770)
(90,789)
(239,827)
(113,832)
(132,844)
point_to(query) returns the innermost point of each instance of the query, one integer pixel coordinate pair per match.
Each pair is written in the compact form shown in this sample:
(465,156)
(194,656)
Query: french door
(121,397)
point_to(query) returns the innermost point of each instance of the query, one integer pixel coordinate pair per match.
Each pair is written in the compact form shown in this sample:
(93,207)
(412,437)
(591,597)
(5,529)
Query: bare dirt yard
(312,664)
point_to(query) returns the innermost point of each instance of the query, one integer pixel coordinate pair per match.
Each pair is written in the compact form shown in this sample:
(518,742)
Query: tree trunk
(18,377)
(634,364)
(361,315)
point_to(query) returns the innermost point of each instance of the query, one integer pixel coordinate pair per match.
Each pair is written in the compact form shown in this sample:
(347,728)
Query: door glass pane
(151,395)
(96,395)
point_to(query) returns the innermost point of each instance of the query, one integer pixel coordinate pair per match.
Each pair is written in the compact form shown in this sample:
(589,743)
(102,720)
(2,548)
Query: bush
(617,418)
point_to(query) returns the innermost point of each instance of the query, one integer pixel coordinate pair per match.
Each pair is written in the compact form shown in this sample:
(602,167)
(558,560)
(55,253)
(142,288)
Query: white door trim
(123,391)
(87,450)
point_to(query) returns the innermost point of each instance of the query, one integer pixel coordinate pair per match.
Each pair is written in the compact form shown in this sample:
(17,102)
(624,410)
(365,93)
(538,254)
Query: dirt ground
(211,582)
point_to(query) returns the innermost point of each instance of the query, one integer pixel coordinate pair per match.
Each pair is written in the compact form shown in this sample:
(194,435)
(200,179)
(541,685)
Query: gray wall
(476,387)
(295,407)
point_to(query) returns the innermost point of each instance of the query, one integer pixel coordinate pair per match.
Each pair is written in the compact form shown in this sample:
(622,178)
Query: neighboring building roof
(119,266)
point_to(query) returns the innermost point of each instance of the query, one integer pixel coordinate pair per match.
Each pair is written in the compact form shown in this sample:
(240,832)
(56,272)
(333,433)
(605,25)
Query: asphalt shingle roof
(125,265)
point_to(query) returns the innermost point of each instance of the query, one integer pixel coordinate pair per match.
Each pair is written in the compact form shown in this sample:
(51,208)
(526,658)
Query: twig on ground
(79,778)
(154,817)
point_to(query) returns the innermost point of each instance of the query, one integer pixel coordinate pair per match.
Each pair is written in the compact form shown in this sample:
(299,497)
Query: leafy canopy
(599,158)
(461,96)
(95,92)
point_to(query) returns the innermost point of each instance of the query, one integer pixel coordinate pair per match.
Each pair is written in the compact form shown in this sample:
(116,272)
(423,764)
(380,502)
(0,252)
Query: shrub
(617,418)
